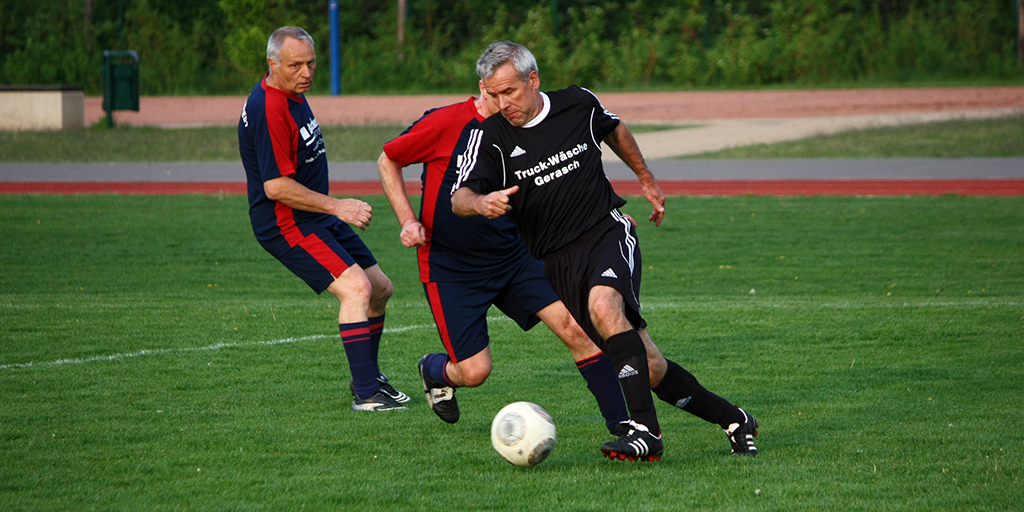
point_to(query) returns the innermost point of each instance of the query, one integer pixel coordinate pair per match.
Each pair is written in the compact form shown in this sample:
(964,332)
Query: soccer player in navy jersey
(296,221)
(539,162)
(466,265)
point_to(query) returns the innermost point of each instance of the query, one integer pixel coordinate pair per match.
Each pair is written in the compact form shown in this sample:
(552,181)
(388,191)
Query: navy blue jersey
(556,161)
(457,248)
(279,136)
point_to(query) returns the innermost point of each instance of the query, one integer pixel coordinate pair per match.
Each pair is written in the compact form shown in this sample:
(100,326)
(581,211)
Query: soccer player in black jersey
(540,163)
(469,264)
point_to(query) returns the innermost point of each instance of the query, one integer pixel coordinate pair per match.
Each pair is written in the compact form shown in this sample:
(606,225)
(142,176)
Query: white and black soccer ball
(523,433)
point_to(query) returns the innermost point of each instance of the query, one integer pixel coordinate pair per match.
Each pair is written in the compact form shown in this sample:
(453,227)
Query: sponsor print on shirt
(551,164)
(311,135)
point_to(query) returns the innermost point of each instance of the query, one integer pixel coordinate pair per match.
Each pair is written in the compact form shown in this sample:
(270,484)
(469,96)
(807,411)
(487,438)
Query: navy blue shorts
(607,254)
(460,308)
(323,254)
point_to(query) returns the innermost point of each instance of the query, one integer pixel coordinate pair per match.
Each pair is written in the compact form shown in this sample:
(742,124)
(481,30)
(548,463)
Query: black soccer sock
(356,339)
(599,373)
(681,389)
(629,358)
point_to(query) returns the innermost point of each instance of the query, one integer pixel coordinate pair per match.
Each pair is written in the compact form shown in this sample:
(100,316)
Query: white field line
(216,346)
(757,303)
(751,303)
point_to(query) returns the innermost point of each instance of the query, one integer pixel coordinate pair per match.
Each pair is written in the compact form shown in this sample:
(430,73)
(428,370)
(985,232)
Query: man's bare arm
(291,193)
(622,142)
(466,203)
(391,181)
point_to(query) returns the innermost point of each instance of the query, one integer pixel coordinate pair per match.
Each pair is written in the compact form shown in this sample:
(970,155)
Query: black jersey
(556,161)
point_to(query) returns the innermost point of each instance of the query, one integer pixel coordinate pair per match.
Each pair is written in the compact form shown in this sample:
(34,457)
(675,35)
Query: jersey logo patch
(518,151)
(609,273)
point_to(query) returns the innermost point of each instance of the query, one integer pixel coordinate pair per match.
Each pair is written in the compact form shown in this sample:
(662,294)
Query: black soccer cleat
(741,435)
(386,387)
(636,443)
(440,397)
(380,401)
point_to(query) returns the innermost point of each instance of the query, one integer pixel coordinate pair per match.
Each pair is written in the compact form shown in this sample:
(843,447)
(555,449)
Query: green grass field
(153,357)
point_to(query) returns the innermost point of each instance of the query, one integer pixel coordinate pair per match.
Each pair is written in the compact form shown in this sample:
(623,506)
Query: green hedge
(201,47)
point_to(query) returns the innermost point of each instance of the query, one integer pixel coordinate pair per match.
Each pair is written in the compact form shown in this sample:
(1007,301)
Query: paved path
(667,170)
(966,176)
(718,134)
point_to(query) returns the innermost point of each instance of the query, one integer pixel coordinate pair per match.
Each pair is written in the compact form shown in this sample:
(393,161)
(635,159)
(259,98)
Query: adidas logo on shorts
(609,273)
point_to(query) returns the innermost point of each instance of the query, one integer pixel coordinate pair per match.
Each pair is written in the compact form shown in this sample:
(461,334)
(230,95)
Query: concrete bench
(41,107)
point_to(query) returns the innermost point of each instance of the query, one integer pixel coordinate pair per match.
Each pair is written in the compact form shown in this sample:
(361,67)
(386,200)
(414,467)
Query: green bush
(201,47)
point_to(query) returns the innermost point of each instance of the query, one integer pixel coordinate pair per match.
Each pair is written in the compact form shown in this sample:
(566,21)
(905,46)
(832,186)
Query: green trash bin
(120,82)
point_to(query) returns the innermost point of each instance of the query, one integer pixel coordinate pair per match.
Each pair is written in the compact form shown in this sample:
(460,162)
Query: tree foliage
(203,47)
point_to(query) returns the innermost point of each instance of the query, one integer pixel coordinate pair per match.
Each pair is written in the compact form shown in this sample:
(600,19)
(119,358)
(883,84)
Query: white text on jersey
(551,161)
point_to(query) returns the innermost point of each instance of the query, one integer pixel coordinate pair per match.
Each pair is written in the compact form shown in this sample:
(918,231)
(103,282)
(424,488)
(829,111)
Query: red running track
(966,187)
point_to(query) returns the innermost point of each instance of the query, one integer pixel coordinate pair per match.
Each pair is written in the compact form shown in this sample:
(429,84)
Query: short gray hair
(277,40)
(501,52)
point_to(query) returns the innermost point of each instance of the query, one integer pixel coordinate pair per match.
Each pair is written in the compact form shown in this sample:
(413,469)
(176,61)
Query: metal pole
(1020,33)
(120,18)
(335,49)
(706,37)
(402,9)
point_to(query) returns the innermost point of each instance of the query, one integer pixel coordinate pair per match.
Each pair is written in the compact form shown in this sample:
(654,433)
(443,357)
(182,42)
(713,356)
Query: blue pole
(335,49)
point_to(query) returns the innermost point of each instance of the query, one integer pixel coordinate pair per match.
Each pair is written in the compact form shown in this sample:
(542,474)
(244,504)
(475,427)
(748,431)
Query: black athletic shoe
(741,435)
(621,429)
(440,397)
(385,387)
(380,401)
(636,444)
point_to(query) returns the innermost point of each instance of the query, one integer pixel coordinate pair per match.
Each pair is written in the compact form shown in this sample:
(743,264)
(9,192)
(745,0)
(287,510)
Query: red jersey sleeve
(282,131)
(422,142)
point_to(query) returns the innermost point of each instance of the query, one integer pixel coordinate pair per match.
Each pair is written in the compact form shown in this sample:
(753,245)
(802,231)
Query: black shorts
(460,307)
(607,254)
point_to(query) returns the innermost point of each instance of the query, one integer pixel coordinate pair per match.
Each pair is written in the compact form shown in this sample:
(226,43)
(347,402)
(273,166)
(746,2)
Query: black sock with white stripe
(629,358)
(681,389)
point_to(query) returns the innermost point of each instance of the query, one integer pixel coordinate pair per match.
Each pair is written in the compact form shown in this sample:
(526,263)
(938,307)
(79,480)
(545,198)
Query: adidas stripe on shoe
(741,435)
(380,401)
(636,444)
(386,387)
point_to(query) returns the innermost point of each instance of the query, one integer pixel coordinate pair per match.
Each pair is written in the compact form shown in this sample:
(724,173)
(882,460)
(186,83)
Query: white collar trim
(543,112)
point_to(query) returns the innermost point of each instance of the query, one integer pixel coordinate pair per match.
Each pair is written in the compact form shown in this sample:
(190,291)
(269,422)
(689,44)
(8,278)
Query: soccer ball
(523,433)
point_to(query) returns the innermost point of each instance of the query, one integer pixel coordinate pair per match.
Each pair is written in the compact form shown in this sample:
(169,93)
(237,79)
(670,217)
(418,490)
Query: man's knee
(381,286)
(474,377)
(352,285)
(474,371)
(607,311)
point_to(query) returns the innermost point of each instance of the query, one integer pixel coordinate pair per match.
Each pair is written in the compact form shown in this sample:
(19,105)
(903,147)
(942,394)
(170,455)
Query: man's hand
(287,191)
(495,204)
(622,142)
(655,196)
(353,211)
(413,234)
